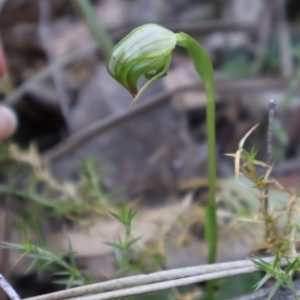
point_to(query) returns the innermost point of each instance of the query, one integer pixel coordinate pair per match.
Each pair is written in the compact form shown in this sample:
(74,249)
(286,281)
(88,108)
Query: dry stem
(155,281)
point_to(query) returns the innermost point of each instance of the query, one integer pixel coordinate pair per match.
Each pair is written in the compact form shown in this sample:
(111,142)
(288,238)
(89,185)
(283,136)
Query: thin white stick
(147,279)
(8,289)
(166,285)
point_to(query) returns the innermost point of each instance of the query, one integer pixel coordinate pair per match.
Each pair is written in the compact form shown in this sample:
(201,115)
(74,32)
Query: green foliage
(279,223)
(250,156)
(122,246)
(90,185)
(54,200)
(236,286)
(74,201)
(44,259)
(125,217)
(283,277)
(271,60)
(237,68)
(8,168)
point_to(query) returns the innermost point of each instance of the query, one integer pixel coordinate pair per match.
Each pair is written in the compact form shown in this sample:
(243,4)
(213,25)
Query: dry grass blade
(241,144)
(237,155)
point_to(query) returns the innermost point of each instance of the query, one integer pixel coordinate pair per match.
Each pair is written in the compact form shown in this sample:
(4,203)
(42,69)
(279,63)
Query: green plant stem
(204,68)
(86,11)
(210,287)
(125,251)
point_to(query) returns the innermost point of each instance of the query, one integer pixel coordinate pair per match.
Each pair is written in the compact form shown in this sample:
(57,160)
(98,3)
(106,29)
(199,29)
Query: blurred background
(81,148)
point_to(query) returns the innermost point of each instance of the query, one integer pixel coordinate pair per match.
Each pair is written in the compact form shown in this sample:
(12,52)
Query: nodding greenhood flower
(145,51)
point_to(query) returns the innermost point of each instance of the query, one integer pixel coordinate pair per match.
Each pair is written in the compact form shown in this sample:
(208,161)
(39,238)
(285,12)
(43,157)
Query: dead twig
(155,281)
(75,140)
(88,15)
(272,105)
(11,293)
(166,285)
(15,96)
(47,41)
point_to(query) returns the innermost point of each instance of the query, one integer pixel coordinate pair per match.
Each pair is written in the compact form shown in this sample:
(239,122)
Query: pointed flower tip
(144,51)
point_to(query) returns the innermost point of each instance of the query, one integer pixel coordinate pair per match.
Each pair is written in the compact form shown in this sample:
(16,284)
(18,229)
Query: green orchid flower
(147,51)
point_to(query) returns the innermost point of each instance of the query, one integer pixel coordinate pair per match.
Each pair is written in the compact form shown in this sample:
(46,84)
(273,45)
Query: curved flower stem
(204,68)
